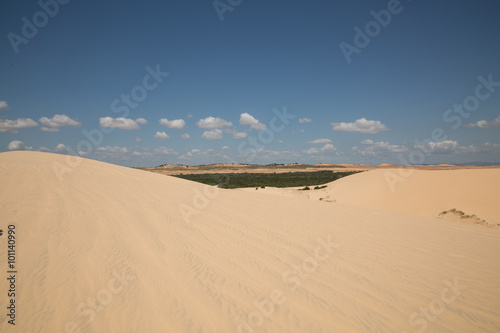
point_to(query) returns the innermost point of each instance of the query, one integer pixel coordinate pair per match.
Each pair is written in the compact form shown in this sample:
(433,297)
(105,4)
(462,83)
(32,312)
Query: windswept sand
(108,249)
(421,192)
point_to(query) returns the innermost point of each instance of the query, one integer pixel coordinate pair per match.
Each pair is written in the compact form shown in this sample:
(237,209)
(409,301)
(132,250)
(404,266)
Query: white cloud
(58,120)
(177,123)
(240,135)
(121,123)
(490,148)
(111,152)
(165,151)
(18,145)
(185,136)
(205,156)
(49,129)
(211,123)
(360,125)
(371,148)
(138,139)
(320,141)
(212,135)
(115,149)
(11,126)
(441,147)
(249,120)
(3,105)
(61,148)
(265,155)
(485,124)
(225,148)
(325,149)
(236,135)
(198,152)
(161,135)
(305,120)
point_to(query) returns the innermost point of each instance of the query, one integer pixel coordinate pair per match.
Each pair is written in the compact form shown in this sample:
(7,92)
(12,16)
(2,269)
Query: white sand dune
(421,192)
(109,249)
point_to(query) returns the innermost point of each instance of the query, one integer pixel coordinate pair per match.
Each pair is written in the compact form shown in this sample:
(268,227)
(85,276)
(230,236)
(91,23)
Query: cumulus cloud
(49,129)
(381,148)
(441,147)
(177,123)
(115,149)
(236,135)
(185,136)
(11,126)
(58,120)
(111,152)
(490,148)
(326,148)
(225,147)
(320,141)
(485,124)
(240,135)
(165,151)
(305,120)
(18,145)
(122,123)
(212,135)
(248,120)
(211,123)
(205,156)
(266,155)
(61,148)
(360,125)
(3,105)
(161,135)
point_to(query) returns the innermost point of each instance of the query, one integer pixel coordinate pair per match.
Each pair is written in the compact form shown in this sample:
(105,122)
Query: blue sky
(419,84)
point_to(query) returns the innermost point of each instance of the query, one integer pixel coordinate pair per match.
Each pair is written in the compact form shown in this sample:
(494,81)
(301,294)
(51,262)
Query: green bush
(285,179)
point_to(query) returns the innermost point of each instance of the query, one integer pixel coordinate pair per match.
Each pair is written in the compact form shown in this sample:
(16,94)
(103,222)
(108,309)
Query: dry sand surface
(113,249)
(420,192)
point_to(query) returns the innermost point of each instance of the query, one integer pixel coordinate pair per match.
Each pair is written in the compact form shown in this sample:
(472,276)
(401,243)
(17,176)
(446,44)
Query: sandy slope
(107,249)
(423,192)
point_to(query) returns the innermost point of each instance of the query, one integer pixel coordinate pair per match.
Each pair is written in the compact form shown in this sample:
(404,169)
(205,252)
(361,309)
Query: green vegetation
(286,179)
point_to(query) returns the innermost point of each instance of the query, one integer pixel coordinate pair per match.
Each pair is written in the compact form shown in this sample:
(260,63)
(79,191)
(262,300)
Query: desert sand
(412,191)
(104,248)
